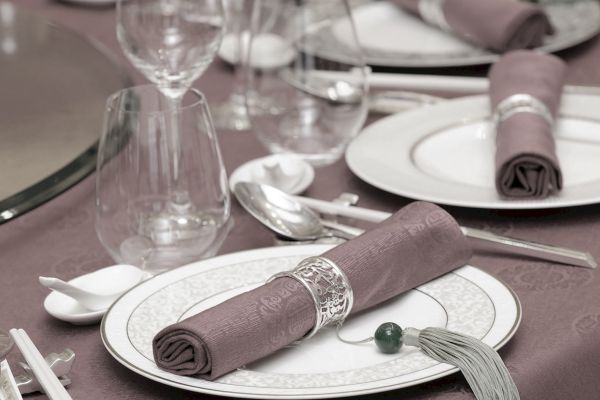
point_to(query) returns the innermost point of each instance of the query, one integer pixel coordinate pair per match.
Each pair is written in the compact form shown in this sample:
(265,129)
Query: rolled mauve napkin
(526,161)
(415,245)
(498,25)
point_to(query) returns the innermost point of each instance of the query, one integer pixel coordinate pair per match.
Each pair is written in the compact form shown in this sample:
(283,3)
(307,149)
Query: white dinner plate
(445,154)
(392,37)
(468,301)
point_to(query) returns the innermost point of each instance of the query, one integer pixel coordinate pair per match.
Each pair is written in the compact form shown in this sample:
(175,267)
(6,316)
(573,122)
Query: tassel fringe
(481,365)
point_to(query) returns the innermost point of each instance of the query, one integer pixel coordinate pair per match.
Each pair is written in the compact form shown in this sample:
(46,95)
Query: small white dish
(70,310)
(67,309)
(269,51)
(291,174)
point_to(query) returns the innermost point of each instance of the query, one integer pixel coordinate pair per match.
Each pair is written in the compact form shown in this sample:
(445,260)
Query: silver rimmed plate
(468,300)
(445,154)
(416,44)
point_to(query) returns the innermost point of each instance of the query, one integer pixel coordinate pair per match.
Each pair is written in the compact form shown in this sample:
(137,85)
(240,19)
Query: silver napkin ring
(432,12)
(328,286)
(519,103)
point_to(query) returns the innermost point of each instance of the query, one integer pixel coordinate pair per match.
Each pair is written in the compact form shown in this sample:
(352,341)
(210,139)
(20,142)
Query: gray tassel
(480,364)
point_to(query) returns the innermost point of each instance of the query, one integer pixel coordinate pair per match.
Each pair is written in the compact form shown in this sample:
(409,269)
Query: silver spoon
(286,216)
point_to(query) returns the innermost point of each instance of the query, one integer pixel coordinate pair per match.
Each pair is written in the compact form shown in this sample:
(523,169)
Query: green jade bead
(388,337)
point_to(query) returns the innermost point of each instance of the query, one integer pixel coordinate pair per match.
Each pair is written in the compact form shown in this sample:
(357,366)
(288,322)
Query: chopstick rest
(40,369)
(333,299)
(8,386)
(59,363)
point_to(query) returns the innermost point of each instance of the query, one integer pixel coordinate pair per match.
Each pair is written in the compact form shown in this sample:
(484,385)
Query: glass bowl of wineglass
(172,42)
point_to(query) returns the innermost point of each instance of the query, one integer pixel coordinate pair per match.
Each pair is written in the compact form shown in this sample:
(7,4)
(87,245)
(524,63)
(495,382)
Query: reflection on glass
(232,113)
(8,43)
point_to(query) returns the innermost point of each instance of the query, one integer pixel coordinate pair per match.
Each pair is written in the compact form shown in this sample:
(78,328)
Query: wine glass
(171,42)
(161,201)
(311,78)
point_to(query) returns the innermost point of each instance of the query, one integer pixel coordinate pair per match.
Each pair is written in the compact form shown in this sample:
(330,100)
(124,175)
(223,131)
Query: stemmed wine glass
(162,196)
(171,42)
(312,81)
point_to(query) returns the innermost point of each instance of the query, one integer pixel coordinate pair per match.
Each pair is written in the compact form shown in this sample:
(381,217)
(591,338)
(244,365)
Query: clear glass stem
(178,196)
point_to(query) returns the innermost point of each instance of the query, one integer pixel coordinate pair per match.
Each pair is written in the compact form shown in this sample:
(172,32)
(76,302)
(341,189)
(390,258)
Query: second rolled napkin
(526,161)
(418,243)
(498,25)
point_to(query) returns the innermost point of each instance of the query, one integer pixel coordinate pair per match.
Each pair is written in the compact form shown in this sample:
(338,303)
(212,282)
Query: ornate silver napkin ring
(519,103)
(328,286)
(432,12)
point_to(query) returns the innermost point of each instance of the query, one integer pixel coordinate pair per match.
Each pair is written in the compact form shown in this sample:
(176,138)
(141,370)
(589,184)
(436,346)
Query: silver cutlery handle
(505,244)
(532,249)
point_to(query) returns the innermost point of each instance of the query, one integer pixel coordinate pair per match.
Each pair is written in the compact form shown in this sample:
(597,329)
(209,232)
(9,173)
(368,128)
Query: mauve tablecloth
(555,355)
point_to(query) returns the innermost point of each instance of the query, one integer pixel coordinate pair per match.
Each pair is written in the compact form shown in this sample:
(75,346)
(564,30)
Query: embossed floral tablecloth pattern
(554,355)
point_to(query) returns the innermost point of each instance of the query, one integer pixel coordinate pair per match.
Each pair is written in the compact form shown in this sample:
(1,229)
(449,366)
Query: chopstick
(49,382)
(452,84)
(435,83)
(508,244)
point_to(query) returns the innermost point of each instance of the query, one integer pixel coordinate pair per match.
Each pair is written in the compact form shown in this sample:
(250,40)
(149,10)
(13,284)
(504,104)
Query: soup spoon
(99,289)
(286,216)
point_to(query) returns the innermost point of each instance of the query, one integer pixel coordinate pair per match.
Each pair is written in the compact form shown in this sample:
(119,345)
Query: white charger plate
(392,37)
(468,301)
(445,154)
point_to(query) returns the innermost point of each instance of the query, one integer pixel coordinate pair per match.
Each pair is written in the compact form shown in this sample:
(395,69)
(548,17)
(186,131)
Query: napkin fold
(499,25)
(413,246)
(526,161)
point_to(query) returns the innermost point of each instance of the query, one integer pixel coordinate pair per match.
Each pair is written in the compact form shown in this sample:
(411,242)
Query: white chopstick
(41,370)
(429,83)
(452,84)
(434,83)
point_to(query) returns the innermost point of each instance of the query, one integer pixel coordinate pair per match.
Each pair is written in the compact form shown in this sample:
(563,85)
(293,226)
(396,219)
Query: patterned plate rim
(467,272)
